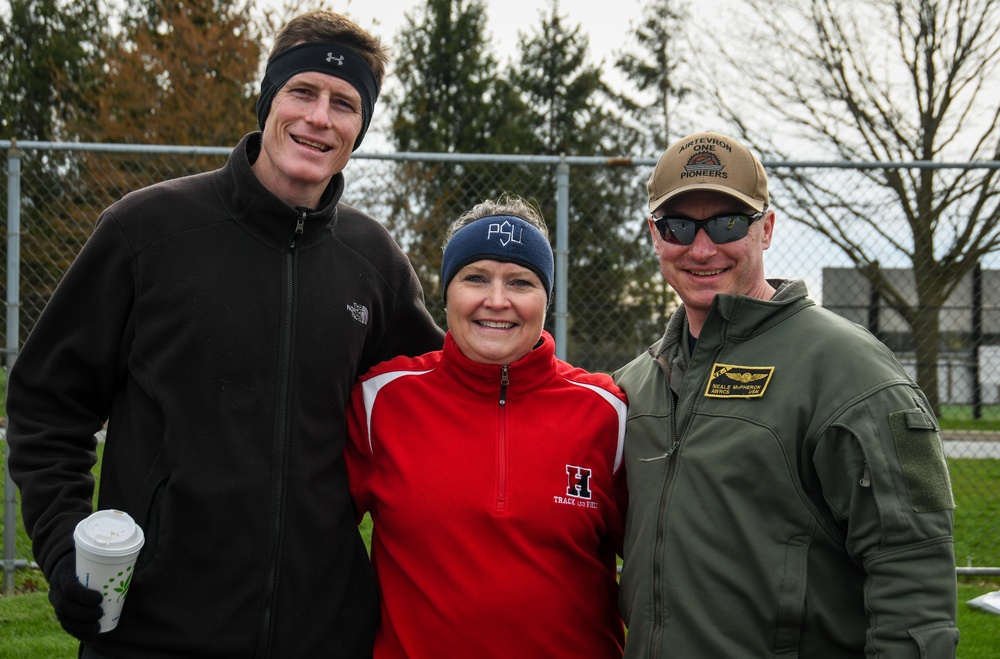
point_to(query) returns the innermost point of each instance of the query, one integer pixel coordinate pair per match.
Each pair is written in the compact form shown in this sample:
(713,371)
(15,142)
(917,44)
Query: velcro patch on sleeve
(921,456)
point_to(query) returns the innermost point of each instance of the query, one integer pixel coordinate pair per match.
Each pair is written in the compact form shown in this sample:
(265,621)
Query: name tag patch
(732,381)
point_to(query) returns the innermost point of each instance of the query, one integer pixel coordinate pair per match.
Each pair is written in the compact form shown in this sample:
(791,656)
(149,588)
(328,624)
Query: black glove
(78,608)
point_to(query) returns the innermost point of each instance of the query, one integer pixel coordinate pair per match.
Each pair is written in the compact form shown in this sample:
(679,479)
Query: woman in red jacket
(492,469)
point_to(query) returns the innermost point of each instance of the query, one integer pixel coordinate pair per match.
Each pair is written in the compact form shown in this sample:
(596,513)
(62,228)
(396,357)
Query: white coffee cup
(107,546)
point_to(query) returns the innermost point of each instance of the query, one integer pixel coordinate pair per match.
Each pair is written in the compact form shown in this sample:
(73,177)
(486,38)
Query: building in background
(969,363)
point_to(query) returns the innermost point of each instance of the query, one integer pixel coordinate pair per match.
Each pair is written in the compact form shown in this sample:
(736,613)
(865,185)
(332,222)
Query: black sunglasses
(725,228)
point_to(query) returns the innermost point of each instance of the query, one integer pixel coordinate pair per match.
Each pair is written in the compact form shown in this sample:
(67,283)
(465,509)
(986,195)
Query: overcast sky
(606,24)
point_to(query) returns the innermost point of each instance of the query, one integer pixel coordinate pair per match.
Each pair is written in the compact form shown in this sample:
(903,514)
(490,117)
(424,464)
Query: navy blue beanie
(505,238)
(325,57)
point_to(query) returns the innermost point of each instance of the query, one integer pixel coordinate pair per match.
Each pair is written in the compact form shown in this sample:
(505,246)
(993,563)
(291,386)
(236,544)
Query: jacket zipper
(661,525)
(661,519)
(502,442)
(280,448)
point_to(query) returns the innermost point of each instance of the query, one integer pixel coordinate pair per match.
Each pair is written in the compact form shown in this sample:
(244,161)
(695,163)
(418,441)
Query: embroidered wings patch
(732,381)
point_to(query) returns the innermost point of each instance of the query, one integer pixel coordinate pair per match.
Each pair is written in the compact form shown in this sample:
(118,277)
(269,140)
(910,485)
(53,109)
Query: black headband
(325,57)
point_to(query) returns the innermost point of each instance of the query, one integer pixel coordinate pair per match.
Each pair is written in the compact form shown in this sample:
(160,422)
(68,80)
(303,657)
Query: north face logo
(359,312)
(578,484)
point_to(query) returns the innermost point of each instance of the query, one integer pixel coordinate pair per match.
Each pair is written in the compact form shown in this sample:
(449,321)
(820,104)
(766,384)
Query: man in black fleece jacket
(216,323)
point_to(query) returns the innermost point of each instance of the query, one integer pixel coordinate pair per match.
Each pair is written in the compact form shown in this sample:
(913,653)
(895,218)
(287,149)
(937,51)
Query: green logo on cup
(122,584)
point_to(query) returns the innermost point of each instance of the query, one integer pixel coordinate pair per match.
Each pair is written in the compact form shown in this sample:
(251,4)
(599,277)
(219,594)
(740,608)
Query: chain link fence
(610,302)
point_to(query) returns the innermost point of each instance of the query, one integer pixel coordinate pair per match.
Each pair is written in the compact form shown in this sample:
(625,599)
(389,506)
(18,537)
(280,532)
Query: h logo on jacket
(579,482)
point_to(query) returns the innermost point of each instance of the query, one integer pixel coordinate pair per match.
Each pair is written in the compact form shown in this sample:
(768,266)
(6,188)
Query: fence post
(562,255)
(977,339)
(874,307)
(13,322)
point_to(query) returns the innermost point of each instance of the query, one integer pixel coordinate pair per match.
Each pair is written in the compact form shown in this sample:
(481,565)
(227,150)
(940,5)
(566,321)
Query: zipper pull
(665,456)
(866,477)
(504,381)
(300,226)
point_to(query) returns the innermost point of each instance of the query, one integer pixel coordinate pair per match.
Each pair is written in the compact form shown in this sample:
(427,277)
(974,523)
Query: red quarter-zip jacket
(497,504)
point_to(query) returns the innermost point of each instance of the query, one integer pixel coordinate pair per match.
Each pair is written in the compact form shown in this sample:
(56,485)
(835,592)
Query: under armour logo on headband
(338,60)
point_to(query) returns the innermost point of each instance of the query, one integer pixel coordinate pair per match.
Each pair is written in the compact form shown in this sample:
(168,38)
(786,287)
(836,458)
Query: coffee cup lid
(109,532)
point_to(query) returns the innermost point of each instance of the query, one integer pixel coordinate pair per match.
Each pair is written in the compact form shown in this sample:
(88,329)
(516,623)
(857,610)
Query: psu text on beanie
(499,238)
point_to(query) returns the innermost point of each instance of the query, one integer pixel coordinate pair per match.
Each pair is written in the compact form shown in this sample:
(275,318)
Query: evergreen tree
(450,100)
(450,87)
(562,91)
(654,68)
(47,48)
(612,282)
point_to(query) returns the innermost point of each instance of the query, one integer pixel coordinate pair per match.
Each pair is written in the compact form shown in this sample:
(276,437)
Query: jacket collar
(668,348)
(524,376)
(262,213)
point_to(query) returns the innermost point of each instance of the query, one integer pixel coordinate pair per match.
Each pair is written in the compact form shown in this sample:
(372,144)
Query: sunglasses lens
(681,230)
(726,228)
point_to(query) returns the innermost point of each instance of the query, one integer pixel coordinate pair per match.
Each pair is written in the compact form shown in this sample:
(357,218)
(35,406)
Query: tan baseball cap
(708,161)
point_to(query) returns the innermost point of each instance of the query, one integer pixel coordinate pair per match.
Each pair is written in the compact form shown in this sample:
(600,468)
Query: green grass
(976,486)
(980,630)
(960,417)
(29,630)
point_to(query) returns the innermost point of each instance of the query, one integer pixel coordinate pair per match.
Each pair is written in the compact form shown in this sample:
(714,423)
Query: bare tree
(894,81)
